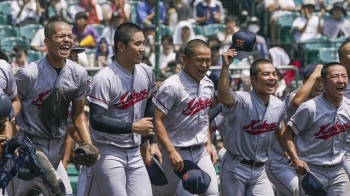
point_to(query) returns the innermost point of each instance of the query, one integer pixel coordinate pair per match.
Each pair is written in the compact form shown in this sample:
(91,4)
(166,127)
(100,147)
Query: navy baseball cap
(214,77)
(155,172)
(243,41)
(78,50)
(309,69)
(313,185)
(194,180)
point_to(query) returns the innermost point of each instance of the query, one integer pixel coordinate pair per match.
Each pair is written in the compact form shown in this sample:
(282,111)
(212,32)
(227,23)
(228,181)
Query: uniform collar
(122,69)
(329,105)
(252,92)
(189,78)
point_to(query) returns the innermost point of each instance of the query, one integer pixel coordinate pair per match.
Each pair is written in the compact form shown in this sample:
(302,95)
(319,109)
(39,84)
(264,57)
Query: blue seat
(7,44)
(198,30)
(99,28)
(327,55)
(164,30)
(5,7)
(33,56)
(213,29)
(8,31)
(29,31)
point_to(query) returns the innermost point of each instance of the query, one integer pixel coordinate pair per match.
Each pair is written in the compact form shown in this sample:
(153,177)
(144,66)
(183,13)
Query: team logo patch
(255,127)
(239,43)
(41,97)
(185,176)
(326,131)
(128,99)
(196,105)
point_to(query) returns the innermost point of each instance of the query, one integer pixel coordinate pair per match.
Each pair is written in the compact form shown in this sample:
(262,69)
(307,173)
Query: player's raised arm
(224,95)
(304,92)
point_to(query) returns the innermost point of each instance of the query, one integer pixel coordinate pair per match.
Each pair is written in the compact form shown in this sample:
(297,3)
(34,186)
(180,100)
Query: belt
(326,166)
(191,148)
(252,163)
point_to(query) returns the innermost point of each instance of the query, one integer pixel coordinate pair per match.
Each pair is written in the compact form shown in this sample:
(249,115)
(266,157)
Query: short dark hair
(50,29)
(81,15)
(214,38)
(254,68)
(341,49)
(124,33)
(192,45)
(325,68)
(167,37)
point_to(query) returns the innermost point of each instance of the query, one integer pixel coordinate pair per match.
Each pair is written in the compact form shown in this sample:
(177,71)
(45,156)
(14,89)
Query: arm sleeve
(299,122)
(100,122)
(83,85)
(149,112)
(141,12)
(11,83)
(237,107)
(166,97)
(23,82)
(214,112)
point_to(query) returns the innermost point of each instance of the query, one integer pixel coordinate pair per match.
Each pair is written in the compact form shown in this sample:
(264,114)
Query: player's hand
(176,161)
(145,152)
(154,150)
(143,127)
(299,165)
(65,163)
(317,72)
(211,153)
(228,56)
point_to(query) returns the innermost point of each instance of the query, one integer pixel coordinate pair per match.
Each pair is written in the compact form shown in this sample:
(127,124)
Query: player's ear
(323,81)
(120,47)
(46,41)
(184,59)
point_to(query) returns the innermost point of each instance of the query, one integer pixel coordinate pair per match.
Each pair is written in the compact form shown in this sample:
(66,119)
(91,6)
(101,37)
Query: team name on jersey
(253,128)
(39,101)
(196,105)
(326,131)
(128,99)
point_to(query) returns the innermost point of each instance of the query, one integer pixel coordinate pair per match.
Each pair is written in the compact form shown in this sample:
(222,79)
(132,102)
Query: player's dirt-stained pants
(334,178)
(346,162)
(49,155)
(118,172)
(238,179)
(281,175)
(201,158)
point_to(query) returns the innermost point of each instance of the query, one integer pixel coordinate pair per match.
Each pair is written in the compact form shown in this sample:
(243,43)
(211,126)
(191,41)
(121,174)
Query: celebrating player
(181,118)
(46,87)
(252,119)
(278,168)
(120,95)
(315,136)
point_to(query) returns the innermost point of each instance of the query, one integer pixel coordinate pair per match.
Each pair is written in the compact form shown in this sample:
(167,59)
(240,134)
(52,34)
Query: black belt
(192,148)
(326,166)
(252,163)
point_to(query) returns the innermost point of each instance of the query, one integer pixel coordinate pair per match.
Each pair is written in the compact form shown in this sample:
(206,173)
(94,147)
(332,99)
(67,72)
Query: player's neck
(125,64)
(55,62)
(264,97)
(334,101)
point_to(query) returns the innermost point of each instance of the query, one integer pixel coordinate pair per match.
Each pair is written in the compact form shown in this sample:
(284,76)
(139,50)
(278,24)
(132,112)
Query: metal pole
(157,41)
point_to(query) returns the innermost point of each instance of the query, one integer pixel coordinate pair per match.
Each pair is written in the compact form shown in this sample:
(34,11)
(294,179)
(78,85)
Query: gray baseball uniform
(120,170)
(346,161)
(278,170)
(185,104)
(219,123)
(7,79)
(248,141)
(321,131)
(45,95)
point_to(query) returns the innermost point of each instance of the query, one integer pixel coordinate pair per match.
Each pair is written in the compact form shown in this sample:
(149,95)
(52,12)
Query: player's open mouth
(64,49)
(270,86)
(340,89)
(202,72)
(319,90)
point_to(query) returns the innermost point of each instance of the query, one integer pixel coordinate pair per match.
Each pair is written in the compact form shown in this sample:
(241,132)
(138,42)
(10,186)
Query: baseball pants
(49,155)
(281,175)
(238,179)
(334,178)
(84,177)
(118,172)
(346,162)
(201,158)
(62,173)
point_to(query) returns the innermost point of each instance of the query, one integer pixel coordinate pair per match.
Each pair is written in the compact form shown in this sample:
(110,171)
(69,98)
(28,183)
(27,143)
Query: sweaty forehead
(202,52)
(267,67)
(63,28)
(337,69)
(138,36)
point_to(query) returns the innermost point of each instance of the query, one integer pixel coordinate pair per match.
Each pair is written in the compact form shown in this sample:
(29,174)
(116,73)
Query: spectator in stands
(25,12)
(213,41)
(215,55)
(167,54)
(149,33)
(91,7)
(208,12)
(83,31)
(232,27)
(177,11)
(183,33)
(37,43)
(173,67)
(179,55)
(19,56)
(146,13)
(278,8)
(108,32)
(338,26)
(308,26)
(58,8)
(116,6)
(104,53)
(146,61)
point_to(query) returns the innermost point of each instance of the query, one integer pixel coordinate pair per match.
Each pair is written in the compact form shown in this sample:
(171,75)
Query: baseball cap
(338,5)
(309,2)
(313,185)
(194,180)
(214,76)
(155,172)
(78,50)
(243,41)
(309,69)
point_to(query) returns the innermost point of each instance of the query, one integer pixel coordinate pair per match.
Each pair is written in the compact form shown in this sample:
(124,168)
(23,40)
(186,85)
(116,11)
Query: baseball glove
(85,154)
(3,56)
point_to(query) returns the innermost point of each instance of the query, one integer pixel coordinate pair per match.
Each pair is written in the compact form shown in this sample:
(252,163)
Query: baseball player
(46,87)
(120,95)
(181,118)
(278,169)
(315,137)
(344,58)
(253,117)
